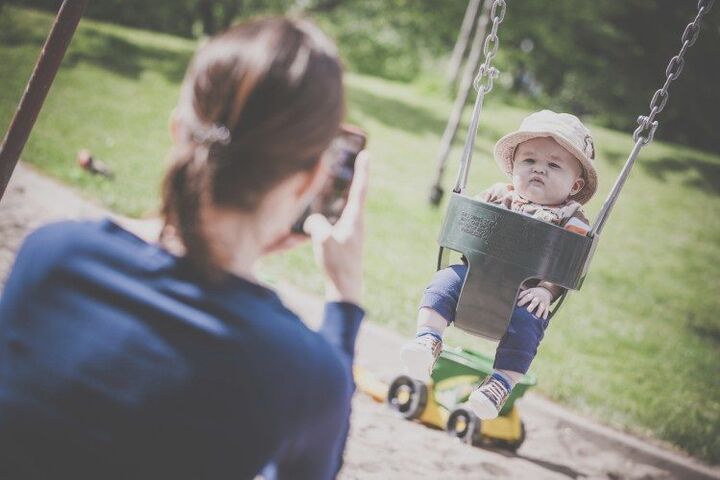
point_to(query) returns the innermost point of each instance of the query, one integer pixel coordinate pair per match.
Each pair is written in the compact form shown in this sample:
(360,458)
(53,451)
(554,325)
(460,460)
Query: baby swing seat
(503,250)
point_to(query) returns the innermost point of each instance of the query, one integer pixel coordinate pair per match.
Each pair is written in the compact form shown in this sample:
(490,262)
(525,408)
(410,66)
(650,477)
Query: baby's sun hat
(565,129)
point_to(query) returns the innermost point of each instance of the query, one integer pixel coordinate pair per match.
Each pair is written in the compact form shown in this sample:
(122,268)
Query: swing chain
(490,49)
(647,123)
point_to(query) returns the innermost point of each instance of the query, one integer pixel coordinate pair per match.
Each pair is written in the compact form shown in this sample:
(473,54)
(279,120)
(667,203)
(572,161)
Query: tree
(217,15)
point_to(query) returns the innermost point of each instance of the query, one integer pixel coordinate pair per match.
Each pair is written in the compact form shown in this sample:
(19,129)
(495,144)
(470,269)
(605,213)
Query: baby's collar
(519,198)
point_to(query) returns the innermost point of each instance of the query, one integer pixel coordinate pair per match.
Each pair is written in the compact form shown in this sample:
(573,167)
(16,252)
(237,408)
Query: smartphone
(342,152)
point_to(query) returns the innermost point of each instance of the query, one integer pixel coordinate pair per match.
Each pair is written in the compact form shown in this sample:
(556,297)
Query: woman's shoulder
(71,233)
(55,242)
(62,242)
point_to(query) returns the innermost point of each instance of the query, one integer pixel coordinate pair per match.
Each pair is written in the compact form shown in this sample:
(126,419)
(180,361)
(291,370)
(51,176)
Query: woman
(125,359)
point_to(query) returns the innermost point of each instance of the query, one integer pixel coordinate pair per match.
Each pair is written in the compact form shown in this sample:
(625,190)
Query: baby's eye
(554,165)
(529,161)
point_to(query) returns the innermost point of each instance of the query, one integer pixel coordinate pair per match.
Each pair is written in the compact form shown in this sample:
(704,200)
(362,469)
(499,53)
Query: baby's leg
(513,357)
(437,311)
(439,302)
(518,347)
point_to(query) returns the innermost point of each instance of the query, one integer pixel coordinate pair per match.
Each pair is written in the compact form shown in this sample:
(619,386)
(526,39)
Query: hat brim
(505,151)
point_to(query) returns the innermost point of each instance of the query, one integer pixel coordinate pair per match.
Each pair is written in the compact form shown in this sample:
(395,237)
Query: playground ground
(559,444)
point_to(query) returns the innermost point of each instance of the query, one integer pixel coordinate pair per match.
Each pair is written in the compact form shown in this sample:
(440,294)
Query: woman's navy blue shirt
(115,362)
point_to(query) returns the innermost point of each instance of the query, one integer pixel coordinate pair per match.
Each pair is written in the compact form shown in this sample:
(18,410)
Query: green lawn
(638,348)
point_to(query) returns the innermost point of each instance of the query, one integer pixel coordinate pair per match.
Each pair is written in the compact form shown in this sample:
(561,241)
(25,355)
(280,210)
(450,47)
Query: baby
(550,162)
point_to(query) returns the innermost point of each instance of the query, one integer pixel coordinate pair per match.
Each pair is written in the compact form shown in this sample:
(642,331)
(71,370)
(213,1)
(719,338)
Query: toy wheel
(407,396)
(436,195)
(463,424)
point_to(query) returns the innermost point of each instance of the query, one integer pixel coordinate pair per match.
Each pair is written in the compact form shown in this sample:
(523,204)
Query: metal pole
(38,86)
(462,177)
(466,84)
(615,192)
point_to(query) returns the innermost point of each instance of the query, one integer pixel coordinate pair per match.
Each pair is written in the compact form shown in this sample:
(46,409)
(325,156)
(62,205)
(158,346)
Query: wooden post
(462,41)
(466,84)
(38,86)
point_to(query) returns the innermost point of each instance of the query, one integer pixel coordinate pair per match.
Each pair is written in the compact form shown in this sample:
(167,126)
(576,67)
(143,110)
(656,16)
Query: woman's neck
(236,240)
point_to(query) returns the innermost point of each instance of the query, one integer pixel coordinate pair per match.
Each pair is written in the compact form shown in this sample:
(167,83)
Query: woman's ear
(174,126)
(577,186)
(313,180)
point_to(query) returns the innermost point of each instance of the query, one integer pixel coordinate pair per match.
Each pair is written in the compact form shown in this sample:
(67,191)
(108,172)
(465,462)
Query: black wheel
(407,396)
(436,195)
(463,424)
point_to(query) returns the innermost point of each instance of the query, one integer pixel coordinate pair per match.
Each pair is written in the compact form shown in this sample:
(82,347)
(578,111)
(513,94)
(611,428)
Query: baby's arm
(537,299)
(540,297)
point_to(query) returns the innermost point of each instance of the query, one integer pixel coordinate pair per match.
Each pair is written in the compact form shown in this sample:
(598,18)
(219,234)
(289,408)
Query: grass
(638,348)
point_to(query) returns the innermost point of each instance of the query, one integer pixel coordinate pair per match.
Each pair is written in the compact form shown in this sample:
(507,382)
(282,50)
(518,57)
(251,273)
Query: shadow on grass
(114,53)
(395,113)
(614,157)
(706,174)
(14,35)
(704,327)
(106,50)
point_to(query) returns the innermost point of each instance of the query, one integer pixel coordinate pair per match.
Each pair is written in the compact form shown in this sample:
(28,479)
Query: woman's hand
(538,299)
(338,248)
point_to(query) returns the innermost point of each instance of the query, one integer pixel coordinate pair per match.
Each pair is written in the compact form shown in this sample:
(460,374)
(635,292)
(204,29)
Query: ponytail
(184,194)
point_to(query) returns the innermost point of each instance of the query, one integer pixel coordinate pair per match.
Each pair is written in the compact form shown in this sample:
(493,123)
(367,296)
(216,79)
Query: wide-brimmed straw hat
(565,129)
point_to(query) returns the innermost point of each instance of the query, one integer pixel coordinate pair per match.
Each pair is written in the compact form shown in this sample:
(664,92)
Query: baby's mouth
(537,181)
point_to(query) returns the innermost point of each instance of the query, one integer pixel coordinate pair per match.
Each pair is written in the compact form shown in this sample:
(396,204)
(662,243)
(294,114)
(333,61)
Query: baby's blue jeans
(517,347)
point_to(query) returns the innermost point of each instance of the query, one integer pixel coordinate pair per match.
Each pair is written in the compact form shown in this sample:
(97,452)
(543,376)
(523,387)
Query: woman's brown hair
(259,103)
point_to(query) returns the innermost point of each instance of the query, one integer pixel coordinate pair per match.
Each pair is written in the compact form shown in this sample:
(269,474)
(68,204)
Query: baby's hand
(538,299)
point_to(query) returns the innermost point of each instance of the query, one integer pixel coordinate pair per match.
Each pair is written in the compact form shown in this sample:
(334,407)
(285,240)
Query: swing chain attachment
(647,123)
(490,49)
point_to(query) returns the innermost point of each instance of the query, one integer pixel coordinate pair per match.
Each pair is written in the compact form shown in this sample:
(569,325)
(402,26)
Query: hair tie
(214,134)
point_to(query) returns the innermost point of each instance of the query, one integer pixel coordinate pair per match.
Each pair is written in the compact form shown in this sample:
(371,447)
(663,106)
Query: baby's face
(545,173)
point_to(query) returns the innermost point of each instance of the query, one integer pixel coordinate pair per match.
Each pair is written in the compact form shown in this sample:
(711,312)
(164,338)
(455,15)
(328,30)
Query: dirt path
(559,444)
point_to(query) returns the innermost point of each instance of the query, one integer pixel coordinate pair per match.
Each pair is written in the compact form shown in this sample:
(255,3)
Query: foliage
(607,58)
(176,16)
(602,59)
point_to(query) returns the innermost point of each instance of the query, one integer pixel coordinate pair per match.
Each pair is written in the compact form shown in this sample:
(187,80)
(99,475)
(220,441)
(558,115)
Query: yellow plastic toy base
(507,427)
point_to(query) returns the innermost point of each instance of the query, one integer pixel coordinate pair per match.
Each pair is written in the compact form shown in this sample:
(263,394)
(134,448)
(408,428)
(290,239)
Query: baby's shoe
(419,355)
(488,399)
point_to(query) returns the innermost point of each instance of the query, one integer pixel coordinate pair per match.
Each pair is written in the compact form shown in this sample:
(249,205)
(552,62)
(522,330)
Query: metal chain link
(490,49)
(647,123)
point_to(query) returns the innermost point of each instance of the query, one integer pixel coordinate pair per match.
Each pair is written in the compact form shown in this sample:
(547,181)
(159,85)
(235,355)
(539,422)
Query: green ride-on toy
(443,402)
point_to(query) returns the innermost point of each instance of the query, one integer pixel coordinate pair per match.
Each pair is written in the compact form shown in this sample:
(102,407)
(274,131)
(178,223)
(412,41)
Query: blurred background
(595,58)
(637,348)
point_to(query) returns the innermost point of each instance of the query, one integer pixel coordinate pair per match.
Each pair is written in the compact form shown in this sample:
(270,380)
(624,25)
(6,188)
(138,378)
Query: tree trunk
(466,84)
(207,17)
(462,41)
(231,11)
(325,6)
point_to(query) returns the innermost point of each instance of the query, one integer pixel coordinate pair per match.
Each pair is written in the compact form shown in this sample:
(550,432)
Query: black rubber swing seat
(503,250)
